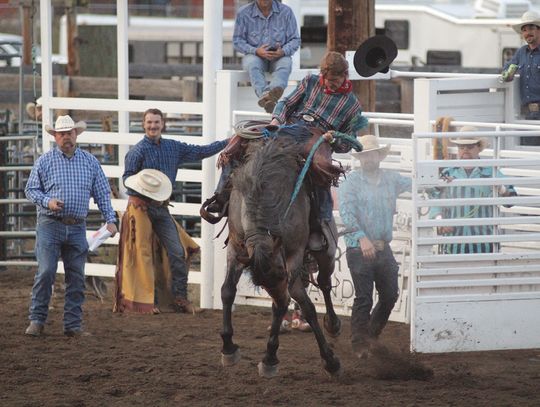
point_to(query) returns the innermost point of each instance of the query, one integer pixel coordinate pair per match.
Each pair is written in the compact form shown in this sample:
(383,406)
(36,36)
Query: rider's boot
(219,202)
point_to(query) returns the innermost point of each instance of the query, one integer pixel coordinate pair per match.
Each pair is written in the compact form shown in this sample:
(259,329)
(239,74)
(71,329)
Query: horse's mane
(267,182)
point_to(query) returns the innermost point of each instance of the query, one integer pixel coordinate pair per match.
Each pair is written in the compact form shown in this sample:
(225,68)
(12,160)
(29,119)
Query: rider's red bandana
(346,86)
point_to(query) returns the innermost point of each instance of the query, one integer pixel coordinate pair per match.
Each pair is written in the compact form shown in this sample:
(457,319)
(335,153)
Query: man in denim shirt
(266,33)
(367,203)
(527,59)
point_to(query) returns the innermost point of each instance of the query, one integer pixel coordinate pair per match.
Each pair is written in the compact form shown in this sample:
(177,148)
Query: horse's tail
(263,262)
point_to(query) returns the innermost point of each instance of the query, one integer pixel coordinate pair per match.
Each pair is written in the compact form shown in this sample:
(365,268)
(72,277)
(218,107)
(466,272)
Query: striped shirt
(166,156)
(336,111)
(72,180)
(252,29)
(467,211)
(367,209)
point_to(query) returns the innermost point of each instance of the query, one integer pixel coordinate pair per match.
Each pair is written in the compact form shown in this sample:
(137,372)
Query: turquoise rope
(355,144)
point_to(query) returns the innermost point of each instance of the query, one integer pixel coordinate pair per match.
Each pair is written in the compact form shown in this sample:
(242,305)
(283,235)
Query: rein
(337,135)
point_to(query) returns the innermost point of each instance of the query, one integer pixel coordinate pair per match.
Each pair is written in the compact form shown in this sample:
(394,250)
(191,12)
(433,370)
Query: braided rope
(337,135)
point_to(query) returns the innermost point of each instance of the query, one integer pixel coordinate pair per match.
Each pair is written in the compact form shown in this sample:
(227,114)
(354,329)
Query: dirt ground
(174,359)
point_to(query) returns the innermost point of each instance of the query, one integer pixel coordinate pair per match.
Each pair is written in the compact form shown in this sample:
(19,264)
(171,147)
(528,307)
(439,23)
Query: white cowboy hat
(370,143)
(32,106)
(151,183)
(529,17)
(481,141)
(65,123)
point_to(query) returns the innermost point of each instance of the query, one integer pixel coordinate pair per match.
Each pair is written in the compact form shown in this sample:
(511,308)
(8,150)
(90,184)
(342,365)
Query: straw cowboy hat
(529,17)
(151,183)
(65,123)
(467,141)
(370,143)
(31,108)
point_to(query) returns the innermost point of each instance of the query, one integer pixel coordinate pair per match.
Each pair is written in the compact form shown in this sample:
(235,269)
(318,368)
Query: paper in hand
(98,237)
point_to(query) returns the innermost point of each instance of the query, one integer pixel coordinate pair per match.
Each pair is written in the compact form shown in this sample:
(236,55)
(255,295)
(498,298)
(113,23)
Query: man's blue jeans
(164,227)
(55,240)
(257,67)
(383,271)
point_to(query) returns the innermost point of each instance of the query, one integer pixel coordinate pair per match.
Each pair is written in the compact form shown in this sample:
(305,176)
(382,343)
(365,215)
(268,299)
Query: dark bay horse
(272,248)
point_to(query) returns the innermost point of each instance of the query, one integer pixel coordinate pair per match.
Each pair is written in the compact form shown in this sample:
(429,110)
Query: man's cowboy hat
(31,108)
(374,55)
(65,123)
(151,183)
(529,17)
(370,143)
(467,141)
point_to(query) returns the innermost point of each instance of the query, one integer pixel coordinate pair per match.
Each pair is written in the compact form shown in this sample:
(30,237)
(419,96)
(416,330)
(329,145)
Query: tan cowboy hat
(370,143)
(65,123)
(31,107)
(529,17)
(151,183)
(481,141)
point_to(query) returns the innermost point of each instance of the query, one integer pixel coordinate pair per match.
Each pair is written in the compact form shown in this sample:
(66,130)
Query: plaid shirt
(73,181)
(337,111)
(252,29)
(166,156)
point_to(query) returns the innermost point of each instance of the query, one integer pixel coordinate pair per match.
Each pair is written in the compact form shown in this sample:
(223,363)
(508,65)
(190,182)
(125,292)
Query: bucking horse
(268,235)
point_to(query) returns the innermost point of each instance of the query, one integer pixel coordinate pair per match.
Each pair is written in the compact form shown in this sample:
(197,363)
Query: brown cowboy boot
(183,305)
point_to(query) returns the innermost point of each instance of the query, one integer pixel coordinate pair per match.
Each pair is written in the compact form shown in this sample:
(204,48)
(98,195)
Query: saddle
(249,136)
(322,170)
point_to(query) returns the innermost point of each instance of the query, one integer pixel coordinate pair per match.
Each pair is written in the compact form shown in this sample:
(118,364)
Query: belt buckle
(308,118)
(69,220)
(534,107)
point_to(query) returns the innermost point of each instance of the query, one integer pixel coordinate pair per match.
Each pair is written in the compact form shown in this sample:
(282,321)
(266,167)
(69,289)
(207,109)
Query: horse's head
(265,258)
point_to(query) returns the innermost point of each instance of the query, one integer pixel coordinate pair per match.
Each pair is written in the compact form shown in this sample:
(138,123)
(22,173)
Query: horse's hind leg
(331,362)
(230,353)
(268,367)
(326,262)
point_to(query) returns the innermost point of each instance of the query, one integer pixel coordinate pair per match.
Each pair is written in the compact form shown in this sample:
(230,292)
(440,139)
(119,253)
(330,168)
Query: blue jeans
(256,67)
(383,271)
(325,203)
(164,227)
(55,240)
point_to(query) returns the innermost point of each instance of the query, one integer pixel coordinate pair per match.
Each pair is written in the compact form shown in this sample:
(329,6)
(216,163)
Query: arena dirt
(174,359)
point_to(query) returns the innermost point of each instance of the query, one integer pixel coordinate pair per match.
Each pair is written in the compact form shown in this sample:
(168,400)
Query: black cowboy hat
(374,55)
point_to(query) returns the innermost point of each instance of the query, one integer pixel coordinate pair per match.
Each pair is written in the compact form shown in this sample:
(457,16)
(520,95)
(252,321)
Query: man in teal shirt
(367,203)
(468,149)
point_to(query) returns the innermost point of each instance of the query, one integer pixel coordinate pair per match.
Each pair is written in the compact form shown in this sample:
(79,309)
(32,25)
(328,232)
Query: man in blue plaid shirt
(166,155)
(61,184)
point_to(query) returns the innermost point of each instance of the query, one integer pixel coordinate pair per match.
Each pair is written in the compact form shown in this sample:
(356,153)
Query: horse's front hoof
(267,371)
(334,370)
(230,360)
(333,329)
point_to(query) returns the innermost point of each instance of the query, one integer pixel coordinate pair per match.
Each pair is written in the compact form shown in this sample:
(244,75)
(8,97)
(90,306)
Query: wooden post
(351,22)
(26,7)
(73,65)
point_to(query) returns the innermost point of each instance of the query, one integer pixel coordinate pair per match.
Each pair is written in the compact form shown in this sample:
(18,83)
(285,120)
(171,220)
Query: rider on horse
(324,102)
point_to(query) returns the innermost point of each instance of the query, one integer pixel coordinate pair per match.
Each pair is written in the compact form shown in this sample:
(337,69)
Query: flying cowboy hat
(374,55)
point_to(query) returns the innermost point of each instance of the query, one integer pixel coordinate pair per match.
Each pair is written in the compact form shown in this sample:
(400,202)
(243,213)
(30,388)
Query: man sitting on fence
(266,33)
